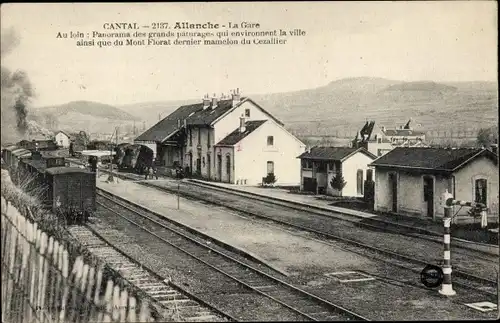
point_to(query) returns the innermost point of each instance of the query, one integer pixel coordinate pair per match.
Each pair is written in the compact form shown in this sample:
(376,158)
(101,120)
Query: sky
(410,41)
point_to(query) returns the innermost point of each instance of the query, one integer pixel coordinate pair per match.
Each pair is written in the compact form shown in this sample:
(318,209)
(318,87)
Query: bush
(338,182)
(269,179)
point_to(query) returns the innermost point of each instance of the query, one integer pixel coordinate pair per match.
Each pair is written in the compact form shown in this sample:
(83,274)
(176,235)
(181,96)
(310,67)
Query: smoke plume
(16,91)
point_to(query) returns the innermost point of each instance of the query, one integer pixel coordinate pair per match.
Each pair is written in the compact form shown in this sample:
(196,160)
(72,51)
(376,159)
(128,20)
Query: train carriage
(16,158)
(71,191)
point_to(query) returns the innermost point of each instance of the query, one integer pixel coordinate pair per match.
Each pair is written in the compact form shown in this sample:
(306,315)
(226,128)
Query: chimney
(178,123)
(242,124)
(401,127)
(214,102)
(206,102)
(236,96)
(383,129)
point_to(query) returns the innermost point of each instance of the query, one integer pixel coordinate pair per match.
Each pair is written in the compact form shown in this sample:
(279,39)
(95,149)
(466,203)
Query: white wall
(232,121)
(349,171)
(62,140)
(465,184)
(252,155)
(223,175)
(411,195)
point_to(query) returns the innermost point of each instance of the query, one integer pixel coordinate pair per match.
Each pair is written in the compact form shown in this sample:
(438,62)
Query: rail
(266,286)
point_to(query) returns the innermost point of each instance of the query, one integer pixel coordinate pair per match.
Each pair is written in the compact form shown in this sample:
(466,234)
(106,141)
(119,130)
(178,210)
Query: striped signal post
(446,287)
(448,202)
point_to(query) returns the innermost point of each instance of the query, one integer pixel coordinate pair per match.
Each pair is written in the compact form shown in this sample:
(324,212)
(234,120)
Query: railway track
(305,305)
(387,226)
(461,277)
(165,295)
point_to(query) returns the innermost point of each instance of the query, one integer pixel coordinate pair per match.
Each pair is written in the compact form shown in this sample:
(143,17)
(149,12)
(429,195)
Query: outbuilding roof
(333,153)
(446,159)
(236,136)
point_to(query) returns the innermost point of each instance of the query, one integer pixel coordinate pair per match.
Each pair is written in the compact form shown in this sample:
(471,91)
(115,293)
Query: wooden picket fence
(38,286)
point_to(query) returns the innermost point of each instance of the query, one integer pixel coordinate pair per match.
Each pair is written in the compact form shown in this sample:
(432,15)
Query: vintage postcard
(249,161)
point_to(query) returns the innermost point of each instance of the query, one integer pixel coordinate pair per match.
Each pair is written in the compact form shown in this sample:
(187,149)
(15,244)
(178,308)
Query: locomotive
(133,157)
(69,192)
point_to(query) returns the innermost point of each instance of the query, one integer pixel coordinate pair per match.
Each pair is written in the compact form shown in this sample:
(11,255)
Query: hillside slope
(90,108)
(342,106)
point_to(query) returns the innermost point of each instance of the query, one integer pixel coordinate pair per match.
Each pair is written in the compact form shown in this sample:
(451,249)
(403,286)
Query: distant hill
(90,108)
(419,87)
(342,106)
(91,117)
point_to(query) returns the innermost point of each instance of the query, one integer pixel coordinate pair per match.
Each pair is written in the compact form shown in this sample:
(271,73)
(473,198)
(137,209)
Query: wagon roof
(67,170)
(39,164)
(20,152)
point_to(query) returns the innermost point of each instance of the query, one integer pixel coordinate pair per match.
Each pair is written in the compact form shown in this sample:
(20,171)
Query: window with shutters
(481,189)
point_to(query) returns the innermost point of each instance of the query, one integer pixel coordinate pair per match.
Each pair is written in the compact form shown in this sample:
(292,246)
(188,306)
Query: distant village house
(319,165)
(227,139)
(411,181)
(62,139)
(380,141)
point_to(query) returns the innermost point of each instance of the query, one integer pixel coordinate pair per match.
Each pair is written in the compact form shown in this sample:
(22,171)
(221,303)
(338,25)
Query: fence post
(132,310)
(65,283)
(123,305)
(115,313)
(88,296)
(77,275)
(104,316)
(446,287)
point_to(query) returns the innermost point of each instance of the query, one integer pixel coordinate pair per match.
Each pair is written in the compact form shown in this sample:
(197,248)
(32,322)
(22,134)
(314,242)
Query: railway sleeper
(151,287)
(162,292)
(140,281)
(169,297)
(177,302)
(312,308)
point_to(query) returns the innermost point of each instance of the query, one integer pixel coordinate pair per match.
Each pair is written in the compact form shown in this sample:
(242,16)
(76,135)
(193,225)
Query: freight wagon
(38,145)
(69,192)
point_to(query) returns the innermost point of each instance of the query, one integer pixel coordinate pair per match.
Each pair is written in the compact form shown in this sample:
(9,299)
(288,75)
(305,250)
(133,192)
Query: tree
(485,137)
(338,183)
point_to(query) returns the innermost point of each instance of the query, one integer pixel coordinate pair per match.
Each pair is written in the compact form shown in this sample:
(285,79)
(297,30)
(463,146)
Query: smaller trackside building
(411,181)
(320,164)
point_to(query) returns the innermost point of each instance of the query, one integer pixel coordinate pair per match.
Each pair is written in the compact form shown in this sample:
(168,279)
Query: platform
(424,225)
(285,252)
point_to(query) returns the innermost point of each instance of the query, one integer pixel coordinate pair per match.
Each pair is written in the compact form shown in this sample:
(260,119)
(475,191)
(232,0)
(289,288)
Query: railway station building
(228,139)
(411,181)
